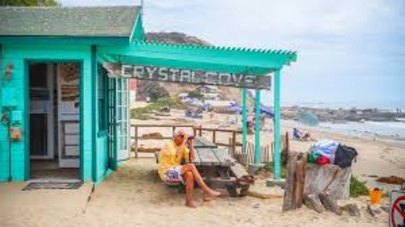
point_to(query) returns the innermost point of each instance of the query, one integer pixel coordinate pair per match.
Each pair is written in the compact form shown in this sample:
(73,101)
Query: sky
(349,51)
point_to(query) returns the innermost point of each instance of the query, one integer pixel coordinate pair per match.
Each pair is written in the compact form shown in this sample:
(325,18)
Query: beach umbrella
(306,118)
(234,109)
(268,111)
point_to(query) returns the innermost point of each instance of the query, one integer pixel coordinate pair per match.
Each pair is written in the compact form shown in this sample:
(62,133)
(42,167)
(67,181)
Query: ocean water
(385,104)
(393,130)
(380,130)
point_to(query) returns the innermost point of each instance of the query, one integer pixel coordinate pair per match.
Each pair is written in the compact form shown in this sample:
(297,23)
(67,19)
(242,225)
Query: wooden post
(234,142)
(200,133)
(194,131)
(294,189)
(289,202)
(213,136)
(300,181)
(231,150)
(173,130)
(244,119)
(136,141)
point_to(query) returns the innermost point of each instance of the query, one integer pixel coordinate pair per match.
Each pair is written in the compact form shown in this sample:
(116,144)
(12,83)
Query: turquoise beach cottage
(63,114)
(53,89)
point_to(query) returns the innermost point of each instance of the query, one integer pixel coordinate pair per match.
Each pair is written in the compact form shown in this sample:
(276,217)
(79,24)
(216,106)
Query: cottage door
(122,110)
(118,120)
(112,132)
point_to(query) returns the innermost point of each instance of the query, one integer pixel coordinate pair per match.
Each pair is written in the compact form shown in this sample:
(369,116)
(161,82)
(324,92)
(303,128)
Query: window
(38,75)
(102,98)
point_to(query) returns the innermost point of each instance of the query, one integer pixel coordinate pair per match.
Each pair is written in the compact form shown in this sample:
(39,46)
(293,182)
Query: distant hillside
(175,37)
(174,89)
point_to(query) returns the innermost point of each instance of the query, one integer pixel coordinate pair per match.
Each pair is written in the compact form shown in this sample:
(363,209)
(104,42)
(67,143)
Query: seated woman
(172,171)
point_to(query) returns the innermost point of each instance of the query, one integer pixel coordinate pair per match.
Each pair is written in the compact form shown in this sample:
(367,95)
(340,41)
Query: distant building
(209,92)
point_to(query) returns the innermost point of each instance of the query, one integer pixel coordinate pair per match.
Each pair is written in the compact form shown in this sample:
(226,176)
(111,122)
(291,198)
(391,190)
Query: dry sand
(134,196)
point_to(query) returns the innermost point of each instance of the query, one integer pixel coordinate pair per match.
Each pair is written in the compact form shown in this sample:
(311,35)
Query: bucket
(375,196)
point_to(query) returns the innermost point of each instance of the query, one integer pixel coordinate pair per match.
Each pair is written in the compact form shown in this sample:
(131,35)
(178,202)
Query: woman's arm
(191,151)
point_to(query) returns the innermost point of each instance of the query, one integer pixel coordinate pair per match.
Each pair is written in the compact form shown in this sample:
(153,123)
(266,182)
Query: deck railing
(197,131)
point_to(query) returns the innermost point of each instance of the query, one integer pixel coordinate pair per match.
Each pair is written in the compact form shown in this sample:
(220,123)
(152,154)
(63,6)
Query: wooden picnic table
(201,142)
(219,169)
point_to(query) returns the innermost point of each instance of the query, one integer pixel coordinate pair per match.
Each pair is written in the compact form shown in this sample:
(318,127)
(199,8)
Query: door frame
(50,118)
(112,123)
(27,61)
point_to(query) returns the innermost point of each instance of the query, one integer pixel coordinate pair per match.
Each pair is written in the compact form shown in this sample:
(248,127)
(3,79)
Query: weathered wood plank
(223,158)
(330,179)
(203,142)
(197,144)
(289,195)
(238,171)
(207,157)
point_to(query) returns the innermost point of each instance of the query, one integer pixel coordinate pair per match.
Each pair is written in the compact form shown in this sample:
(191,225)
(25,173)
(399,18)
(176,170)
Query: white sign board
(397,208)
(197,77)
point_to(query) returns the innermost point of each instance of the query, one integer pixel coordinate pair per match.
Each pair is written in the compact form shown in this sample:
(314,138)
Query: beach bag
(312,157)
(322,160)
(344,156)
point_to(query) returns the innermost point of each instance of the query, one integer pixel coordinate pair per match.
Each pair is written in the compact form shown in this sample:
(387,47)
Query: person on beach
(172,171)
(301,134)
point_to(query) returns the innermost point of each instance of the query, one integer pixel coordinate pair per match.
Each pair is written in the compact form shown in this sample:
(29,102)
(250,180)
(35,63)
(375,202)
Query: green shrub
(270,167)
(357,187)
(195,94)
(142,113)
(156,92)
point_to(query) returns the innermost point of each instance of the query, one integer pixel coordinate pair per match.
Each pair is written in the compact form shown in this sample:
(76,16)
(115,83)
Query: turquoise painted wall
(101,152)
(102,157)
(18,55)
(3,132)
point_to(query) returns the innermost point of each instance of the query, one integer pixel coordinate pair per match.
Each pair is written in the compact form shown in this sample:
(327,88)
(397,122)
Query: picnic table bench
(219,169)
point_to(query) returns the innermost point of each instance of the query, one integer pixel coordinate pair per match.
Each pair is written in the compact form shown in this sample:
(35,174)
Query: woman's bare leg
(198,179)
(189,180)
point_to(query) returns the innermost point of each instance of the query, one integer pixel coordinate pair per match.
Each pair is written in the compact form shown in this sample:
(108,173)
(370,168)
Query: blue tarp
(268,111)
(307,118)
(235,107)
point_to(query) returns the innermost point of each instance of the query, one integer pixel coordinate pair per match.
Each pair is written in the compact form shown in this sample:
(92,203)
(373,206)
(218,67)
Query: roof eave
(138,33)
(44,39)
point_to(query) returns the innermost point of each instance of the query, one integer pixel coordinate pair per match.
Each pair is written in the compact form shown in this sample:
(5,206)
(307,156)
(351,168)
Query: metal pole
(277,134)
(244,119)
(257,127)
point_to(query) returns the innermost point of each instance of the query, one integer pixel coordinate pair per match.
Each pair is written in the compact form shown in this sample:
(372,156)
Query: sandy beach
(134,196)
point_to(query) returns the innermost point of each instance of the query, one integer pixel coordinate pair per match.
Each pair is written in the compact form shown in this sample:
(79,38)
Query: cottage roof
(109,21)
